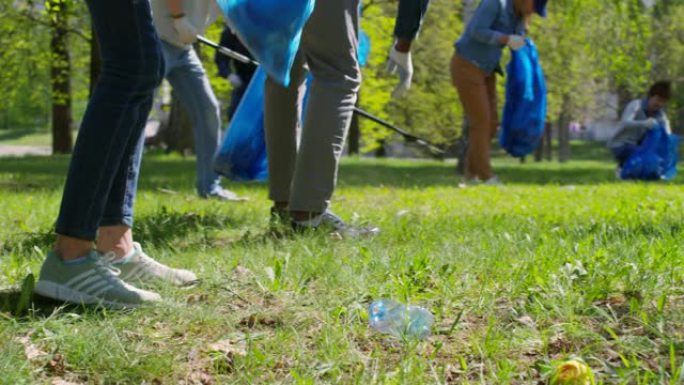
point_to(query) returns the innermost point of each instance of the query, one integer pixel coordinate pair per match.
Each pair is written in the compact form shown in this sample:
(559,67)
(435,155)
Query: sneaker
(493,181)
(336,225)
(222,194)
(469,182)
(138,267)
(89,281)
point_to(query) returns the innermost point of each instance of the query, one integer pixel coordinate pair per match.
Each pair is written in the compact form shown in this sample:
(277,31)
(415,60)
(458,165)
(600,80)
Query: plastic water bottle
(410,322)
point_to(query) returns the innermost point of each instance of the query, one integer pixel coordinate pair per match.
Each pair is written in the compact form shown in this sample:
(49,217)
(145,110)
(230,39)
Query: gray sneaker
(335,225)
(92,281)
(139,267)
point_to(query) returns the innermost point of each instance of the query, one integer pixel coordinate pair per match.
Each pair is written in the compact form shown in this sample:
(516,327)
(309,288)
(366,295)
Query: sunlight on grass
(562,262)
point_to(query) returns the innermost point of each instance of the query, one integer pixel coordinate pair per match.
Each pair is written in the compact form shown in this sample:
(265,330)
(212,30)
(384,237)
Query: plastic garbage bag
(242,156)
(524,114)
(271,30)
(655,159)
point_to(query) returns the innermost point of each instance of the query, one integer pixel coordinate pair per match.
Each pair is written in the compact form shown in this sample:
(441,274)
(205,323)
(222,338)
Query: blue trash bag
(271,30)
(364,48)
(242,156)
(524,114)
(655,159)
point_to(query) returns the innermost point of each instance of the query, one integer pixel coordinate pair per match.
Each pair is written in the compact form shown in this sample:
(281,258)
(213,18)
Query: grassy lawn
(562,261)
(26,137)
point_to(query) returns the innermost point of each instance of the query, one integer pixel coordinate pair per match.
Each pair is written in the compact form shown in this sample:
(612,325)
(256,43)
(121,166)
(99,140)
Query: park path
(17,151)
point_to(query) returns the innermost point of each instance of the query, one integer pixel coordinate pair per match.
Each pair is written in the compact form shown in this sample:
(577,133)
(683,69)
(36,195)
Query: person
(101,184)
(178,23)
(640,116)
(495,25)
(303,177)
(239,74)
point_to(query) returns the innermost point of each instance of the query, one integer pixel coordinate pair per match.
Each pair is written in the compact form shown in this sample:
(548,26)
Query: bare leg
(69,248)
(116,239)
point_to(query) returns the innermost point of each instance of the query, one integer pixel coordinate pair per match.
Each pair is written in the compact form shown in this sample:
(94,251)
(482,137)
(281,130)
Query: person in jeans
(640,116)
(302,177)
(178,23)
(101,184)
(239,74)
(495,25)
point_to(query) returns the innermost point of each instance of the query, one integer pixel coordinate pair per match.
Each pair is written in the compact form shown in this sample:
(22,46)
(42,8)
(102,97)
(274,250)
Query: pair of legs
(189,80)
(103,175)
(303,176)
(477,91)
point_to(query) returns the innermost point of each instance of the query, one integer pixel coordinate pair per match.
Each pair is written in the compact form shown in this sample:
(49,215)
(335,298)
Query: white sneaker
(493,181)
(139,267)
(90,281)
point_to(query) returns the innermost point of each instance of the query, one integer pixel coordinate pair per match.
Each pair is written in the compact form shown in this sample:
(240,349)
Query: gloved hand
(187,33)
(651,123)
(516,42)
(235,80)
(401,63)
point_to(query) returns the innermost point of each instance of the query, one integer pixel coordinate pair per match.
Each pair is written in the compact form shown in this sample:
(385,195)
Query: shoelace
(106,269)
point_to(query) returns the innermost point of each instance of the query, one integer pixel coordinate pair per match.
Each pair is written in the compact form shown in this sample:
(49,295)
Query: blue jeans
(103,174)
(186,74)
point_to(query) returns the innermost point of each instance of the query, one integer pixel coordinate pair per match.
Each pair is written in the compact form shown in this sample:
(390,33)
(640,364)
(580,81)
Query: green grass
(562,261)
(26,137)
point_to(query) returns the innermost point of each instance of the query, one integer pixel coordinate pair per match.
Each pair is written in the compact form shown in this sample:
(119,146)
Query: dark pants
(623,153)
(236,98)
(103,175)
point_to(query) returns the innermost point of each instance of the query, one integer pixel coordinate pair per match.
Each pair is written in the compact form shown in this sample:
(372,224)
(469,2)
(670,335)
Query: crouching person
(639,117)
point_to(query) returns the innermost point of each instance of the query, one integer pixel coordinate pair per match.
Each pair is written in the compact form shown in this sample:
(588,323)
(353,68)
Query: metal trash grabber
(408,137)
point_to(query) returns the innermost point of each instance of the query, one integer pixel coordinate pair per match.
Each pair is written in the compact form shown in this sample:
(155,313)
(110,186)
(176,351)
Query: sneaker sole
(63,293)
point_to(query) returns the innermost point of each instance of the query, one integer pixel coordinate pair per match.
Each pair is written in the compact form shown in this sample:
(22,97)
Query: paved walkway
(17,151)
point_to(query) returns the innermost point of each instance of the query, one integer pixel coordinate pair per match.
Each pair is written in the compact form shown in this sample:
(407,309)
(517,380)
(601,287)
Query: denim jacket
(479,44)
(409,18)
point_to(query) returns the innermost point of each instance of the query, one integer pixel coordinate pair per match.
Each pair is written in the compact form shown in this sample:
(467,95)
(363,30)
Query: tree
(60,71)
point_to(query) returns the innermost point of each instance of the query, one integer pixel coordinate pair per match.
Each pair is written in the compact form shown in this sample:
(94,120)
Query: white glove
(516,42)
(401,63)
(651,123)
(235,80)
(187,33)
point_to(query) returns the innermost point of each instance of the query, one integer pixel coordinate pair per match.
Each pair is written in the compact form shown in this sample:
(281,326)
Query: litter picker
(407,136)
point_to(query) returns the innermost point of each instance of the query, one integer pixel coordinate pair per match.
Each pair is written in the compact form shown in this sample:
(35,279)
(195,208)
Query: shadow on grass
(160,228)
(178,174)
(8,135)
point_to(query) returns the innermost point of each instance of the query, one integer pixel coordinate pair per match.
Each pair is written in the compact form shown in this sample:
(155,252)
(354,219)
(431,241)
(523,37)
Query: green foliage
(587,47)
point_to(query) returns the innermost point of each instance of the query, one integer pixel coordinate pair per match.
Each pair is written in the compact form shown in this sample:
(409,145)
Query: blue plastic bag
(242,156)
(655,159)
(364,48)
(271,30)
(524,116)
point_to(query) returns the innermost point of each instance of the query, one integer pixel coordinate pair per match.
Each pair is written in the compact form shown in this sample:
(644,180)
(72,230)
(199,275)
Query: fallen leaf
(260,320)
(197,298)
(31,351)
(61,381)
(527,321)
(56,364)
(223,354)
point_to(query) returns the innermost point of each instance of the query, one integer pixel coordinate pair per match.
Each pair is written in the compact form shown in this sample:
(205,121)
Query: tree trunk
(564,133)
(61,78)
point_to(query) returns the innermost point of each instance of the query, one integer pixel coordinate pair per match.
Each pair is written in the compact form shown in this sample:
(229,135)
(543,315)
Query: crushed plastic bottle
(398,320)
